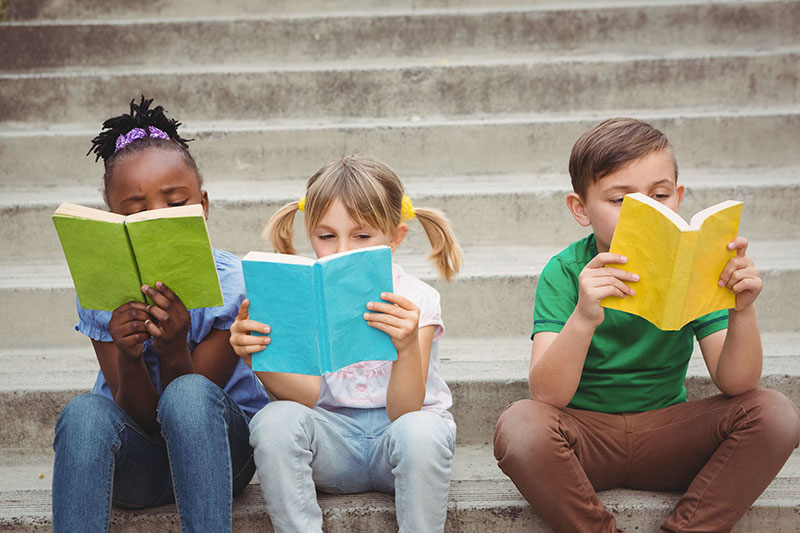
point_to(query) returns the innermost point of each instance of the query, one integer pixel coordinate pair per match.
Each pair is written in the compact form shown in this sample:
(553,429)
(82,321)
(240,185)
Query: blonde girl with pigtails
(372,426)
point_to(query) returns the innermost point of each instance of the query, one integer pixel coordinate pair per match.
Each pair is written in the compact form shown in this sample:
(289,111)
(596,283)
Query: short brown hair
(611,145)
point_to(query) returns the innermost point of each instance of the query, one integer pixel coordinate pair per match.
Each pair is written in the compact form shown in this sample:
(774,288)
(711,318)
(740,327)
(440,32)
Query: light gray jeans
(343,451)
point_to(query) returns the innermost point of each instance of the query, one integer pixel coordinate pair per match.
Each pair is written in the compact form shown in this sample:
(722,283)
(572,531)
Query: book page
(100,261)
(269,257)
(192,210)
(350,281)
(177,252)
(282,296)
(79,211)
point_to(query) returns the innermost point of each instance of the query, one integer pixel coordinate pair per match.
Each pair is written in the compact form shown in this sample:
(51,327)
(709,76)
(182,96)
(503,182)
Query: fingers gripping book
(679,264)
(315,309)
(111,256)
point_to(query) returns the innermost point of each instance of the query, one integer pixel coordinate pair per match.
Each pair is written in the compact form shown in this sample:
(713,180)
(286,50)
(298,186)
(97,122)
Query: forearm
(555,374)
(135,392)
(293,387)
(175,364)
(740,361)
(406,390)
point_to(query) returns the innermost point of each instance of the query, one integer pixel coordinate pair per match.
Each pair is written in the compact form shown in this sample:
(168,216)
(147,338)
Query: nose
(343,247)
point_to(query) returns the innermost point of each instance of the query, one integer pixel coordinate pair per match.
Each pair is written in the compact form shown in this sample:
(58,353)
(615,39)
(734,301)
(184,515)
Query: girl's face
(152,179)
(337,232)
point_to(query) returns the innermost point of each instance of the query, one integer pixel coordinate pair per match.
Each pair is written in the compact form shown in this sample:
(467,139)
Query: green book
(111,256)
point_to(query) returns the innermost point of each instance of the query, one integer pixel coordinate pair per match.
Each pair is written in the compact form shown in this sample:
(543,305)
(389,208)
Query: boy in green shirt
(608,406)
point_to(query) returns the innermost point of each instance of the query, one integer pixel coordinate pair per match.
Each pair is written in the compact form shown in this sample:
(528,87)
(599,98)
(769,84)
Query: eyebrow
(171,188)
(626,187)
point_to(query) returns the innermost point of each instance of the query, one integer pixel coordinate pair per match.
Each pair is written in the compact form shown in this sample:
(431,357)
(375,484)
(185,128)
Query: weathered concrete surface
(442,36)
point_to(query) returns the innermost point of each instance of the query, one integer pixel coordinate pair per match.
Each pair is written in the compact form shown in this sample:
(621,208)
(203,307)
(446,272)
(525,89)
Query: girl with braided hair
(167,419)
(376,425)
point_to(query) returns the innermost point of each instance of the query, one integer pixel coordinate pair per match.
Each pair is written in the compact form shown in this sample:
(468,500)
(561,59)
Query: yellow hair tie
(301,204)
(407,210)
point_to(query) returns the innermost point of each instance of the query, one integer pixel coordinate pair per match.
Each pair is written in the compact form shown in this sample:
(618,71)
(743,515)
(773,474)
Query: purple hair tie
(136,134)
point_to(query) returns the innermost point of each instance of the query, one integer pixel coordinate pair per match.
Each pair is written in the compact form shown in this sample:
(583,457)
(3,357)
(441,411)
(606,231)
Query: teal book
(111,256)
(315,309)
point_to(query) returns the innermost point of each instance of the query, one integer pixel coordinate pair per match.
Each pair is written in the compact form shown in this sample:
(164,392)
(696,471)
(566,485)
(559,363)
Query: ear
(679,190)
(204,203)
(578,209)
(398,235)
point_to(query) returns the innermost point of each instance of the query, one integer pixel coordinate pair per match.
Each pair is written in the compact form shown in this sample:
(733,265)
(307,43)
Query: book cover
(315,309)
(679,263)
(111,256)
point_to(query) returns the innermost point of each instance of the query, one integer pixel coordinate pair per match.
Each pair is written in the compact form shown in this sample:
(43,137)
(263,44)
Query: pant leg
(413,458)
(102,454)
(298,449)
(559,458)
(210,458)
(725,450)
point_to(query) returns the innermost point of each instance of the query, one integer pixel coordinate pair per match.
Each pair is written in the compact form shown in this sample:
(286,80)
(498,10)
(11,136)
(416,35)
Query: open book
(315,309)
(111,256)
(679,264)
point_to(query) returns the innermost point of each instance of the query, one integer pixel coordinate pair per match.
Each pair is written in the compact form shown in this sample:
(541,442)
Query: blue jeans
(345,451)
(200,460)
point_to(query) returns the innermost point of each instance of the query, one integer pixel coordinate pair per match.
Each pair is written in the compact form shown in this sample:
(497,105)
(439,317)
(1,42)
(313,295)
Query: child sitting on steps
(168,417)
(377,425)
(608,405)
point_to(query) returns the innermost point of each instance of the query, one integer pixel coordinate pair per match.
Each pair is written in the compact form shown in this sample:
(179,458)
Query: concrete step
(53,155)
(15,10)
(698,80)
(531,209)
(492,296)
(481,499)
(440,35)
(484,374)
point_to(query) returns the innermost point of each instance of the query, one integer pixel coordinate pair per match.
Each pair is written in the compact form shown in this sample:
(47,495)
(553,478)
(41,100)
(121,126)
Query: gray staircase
(475,104)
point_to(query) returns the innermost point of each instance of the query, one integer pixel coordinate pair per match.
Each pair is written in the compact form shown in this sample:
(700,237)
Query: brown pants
(723,452)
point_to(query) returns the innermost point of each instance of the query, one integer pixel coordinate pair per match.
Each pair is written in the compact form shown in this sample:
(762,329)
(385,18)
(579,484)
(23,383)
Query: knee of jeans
(279,422)
(87,418)
(422,434)
(776,417)
(189,399)
(523,429)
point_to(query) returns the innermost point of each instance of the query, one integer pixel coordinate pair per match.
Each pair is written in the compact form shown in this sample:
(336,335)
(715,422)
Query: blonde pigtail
(280,228)
(446,253)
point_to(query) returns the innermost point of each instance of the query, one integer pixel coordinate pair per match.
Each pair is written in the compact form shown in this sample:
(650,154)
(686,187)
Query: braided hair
(141,116)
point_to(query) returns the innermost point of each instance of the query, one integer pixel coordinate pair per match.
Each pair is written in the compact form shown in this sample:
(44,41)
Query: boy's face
(653,175)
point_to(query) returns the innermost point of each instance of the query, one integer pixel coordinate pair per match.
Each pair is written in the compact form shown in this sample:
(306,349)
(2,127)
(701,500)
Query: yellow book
(678,264)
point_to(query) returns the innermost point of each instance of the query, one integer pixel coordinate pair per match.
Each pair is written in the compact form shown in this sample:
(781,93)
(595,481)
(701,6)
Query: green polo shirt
(631,366)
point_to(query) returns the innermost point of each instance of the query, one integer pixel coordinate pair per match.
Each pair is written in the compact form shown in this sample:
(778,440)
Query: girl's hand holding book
(400,319)
(127,328)
(168,322)
(243,343)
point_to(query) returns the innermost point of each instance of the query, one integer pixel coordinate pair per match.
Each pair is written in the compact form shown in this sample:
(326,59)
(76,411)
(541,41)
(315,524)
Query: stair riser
(480,306)
(534,217)
(448,149)
(476,407)
(716,82)
(437,36)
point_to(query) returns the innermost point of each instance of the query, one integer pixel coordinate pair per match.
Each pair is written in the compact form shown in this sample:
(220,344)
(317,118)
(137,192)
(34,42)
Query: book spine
(678,292)
(146,298)
(322,319)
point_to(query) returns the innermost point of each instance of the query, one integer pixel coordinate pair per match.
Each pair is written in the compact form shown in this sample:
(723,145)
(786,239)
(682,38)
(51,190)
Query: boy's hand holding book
(598,281)
(740,276)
